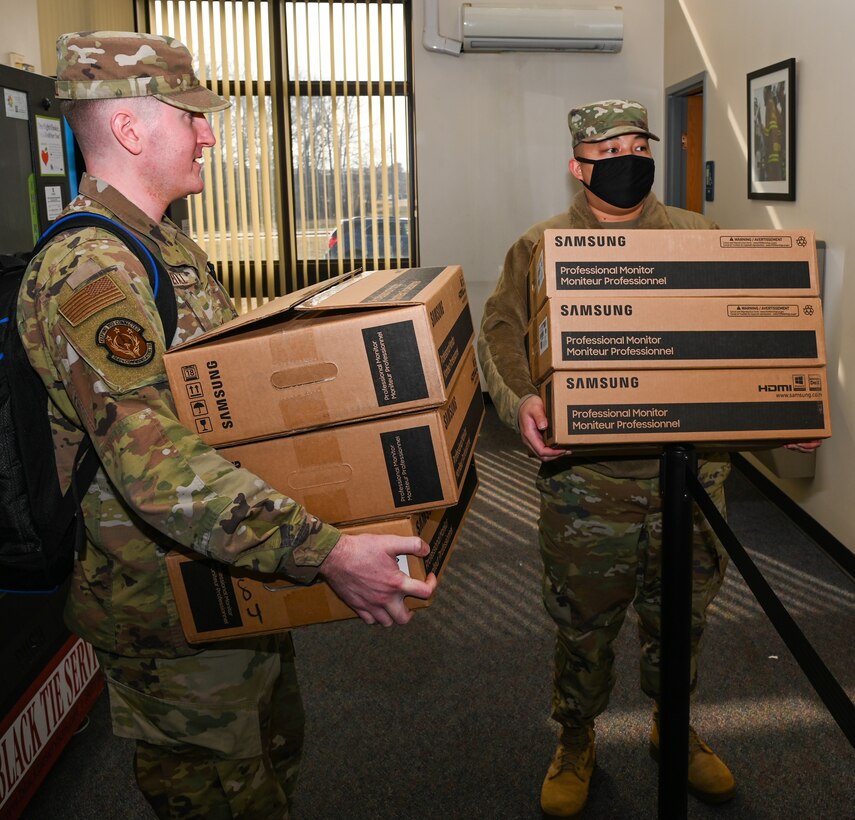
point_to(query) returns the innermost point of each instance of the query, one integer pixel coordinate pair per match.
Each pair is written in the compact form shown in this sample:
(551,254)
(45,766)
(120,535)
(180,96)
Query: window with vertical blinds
(312,172)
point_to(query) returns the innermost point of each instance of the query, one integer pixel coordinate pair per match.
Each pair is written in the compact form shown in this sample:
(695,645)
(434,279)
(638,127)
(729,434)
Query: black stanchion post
(675,659)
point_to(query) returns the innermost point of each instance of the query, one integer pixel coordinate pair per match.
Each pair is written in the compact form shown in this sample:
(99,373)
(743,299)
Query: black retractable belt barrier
(676,463)
(679,485)
(829,690)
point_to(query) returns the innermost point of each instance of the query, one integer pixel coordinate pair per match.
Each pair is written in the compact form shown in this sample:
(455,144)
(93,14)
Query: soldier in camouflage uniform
(600,526)
(218,730)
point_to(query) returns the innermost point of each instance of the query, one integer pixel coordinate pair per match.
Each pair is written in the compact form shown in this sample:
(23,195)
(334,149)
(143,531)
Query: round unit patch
(125,343)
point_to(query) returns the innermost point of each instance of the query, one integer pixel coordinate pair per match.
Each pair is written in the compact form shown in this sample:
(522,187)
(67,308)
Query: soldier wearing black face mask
(600,525)
(611,158)
(622,181)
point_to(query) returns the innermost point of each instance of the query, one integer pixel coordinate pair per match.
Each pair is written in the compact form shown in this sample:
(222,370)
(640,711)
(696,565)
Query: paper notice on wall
(16,104)
(51,157)
(53,201)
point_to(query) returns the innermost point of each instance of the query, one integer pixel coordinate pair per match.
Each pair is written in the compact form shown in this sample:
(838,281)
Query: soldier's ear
(575,168)
(127,130)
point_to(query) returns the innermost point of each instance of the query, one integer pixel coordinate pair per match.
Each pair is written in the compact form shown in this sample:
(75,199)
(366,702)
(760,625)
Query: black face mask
(621,181)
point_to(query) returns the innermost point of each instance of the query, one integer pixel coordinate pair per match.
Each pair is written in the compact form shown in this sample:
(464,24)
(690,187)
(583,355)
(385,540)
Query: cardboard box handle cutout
(320,476)
(303,375)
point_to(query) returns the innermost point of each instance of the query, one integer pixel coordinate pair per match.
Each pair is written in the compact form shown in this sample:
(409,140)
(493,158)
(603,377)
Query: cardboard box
(766,263)
(610,408)
(380,467)
(358,346)
(596,332)
(216,601)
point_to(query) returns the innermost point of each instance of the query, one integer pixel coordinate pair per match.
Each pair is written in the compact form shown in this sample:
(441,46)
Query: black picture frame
(772,132)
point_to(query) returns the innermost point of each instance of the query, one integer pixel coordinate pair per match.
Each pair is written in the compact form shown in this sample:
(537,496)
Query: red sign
(34,733)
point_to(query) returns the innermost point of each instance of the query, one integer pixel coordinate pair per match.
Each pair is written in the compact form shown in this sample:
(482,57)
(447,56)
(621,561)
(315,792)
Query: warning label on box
(751,311)
(731,242)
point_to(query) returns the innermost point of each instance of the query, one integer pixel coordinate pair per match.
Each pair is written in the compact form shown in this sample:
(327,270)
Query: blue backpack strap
(161,284)
(86,461)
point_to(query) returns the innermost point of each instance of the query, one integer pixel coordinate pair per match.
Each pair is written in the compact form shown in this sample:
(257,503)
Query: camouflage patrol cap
(603,120)
(93,65)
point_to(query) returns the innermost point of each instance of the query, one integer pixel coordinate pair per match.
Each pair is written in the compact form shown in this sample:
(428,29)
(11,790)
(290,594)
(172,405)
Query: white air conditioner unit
(541,28)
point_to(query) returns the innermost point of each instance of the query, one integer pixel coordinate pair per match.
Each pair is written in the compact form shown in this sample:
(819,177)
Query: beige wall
(59,16)
(492,143)
(728,39)
(19,32)
(30,27)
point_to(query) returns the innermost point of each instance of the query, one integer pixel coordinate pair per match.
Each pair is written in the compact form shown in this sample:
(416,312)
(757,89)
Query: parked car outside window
(360,237)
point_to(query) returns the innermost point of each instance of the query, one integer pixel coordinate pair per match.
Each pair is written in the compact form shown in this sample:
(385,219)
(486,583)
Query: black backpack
(41,530)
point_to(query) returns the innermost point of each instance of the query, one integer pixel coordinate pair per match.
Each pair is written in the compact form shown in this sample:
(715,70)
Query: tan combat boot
(709,778)
(565,788)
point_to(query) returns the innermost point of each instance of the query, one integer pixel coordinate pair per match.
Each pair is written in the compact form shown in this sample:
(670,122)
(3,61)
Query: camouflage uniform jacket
(501,344)
(92,331)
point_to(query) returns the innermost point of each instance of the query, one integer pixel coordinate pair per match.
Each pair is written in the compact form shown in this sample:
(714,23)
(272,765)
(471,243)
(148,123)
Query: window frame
(297,273)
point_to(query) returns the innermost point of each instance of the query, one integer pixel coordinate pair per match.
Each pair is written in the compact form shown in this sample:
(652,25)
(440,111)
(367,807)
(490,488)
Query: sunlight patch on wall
(697,37)
(732,117)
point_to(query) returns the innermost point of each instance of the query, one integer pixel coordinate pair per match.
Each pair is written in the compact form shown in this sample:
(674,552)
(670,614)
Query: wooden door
(693,145)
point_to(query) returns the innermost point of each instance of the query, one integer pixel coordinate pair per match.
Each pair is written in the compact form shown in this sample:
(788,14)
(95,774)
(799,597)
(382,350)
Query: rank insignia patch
(86,302)
(125,343)
(181,278)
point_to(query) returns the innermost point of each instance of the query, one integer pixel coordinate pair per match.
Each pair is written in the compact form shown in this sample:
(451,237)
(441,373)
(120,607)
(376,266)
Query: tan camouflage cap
(603,120)
(94,65)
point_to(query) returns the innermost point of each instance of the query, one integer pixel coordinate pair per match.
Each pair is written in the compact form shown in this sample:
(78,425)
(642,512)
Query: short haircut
(87,117)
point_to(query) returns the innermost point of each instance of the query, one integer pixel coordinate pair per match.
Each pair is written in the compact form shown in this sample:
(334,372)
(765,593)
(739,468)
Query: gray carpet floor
(448,716)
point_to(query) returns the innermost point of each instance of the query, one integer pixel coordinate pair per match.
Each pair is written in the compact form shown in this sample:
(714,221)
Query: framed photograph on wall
(772,132)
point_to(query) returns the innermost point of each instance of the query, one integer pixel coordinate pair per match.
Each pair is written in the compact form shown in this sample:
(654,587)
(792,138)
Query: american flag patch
(90,299)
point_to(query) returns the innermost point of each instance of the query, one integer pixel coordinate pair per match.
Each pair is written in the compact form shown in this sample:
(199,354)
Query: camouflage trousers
(218,735)
(600,541)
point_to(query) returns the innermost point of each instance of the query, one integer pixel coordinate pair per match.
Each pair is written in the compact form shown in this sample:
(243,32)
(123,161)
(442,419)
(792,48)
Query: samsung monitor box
(595,332)
(376,468)
(605,409)
(216,601)
(359,346)
(763,263)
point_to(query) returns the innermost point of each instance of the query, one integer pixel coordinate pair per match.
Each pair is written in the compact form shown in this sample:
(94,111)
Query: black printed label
(465,441)
(551,423)
(758,276)
(406,286)
(449,525)
(211,596)
(392,351)
(595,346)
(411,466)
(454,345)
(704,417)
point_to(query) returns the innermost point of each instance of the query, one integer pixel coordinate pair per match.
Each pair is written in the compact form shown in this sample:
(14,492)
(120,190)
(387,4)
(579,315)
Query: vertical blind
(311,175)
